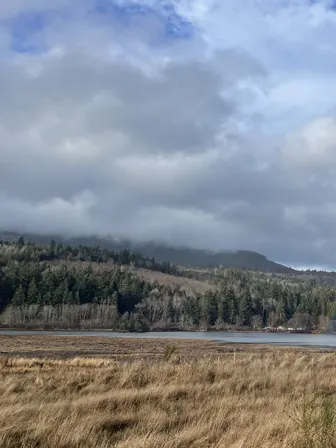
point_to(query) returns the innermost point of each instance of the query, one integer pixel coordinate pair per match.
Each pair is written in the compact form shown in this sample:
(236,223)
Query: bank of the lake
(272,339)
(60,346)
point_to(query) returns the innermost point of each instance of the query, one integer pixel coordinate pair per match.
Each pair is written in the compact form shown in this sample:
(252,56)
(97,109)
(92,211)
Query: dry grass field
(253,397)
(124,349)
(190,285)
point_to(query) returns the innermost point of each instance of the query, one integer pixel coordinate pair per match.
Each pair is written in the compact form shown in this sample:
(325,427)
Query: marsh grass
(252,401)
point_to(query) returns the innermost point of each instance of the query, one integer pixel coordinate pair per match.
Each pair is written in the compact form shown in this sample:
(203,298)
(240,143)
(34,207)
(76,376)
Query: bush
(316,420)
(169,351)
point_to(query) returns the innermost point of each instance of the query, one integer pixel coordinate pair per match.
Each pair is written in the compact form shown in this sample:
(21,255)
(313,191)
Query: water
(283,339)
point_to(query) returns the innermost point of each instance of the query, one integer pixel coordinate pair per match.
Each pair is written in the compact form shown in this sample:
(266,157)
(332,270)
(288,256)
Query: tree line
(104,293)
(30,251)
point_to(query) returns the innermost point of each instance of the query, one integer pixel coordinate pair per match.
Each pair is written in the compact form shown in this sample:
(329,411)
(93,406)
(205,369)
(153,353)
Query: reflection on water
(285,339)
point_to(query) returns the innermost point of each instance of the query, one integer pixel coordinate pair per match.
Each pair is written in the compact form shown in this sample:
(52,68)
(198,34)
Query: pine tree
(19,297)
(20,242)
(232,306)
(281,311)
(32,294)
(245,308)
(193,310)
(223,308)
(209,308)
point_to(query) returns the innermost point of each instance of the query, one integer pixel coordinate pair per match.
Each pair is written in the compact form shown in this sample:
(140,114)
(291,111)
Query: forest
(81,287)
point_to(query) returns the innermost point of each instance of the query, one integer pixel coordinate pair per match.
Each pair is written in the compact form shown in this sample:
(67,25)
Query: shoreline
(128,349)
(170,330)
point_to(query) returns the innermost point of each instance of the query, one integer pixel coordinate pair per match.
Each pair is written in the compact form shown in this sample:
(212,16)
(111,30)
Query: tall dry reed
(249,401)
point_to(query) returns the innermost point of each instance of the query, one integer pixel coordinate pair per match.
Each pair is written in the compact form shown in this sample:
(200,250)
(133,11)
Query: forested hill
(62,286)
(164,253)
(195,257)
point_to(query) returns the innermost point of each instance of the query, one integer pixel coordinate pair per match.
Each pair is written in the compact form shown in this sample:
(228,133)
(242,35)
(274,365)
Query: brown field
(123,349)
(190,285)
(76,393)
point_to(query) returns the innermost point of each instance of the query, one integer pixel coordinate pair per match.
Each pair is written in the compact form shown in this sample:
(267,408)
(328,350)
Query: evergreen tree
(223,308)
(32,294)
(281,311)
(20,242)
(232,306)
(19,297)
(209,308)
(245,308)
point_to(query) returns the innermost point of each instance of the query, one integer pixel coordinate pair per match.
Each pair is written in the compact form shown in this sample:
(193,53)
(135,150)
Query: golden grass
(232,401)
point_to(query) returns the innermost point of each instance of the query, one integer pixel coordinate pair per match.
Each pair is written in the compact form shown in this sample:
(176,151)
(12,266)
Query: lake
(283,339)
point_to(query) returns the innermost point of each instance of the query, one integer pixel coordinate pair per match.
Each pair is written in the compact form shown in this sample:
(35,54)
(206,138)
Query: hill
(59,285)
(229,259)
(163,253)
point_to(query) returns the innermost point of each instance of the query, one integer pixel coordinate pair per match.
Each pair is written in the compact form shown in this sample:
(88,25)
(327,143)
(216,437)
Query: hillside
(196,257)
(61,286)
(164,253)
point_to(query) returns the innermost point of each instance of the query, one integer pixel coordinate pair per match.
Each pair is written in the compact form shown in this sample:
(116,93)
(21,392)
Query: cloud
(213,139)
(17,8)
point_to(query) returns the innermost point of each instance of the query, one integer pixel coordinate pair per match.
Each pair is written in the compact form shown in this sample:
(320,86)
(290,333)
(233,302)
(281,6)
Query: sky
(203,123)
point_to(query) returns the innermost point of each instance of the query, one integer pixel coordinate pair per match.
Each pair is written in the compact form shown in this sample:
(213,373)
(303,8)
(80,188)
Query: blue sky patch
(175,26)
(27,28)
(26,32)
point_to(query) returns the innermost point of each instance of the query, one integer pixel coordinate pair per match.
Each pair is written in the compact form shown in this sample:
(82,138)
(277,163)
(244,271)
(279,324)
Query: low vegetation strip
(252,399)
(129,349)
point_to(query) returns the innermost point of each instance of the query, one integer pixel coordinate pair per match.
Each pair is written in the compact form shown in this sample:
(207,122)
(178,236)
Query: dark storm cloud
(105,134)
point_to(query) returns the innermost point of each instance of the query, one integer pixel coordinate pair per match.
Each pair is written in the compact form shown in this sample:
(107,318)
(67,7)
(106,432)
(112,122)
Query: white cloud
(313,148)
